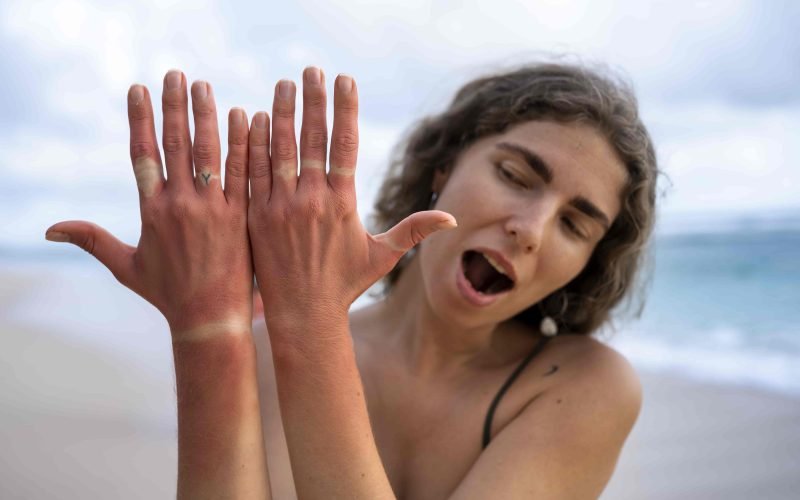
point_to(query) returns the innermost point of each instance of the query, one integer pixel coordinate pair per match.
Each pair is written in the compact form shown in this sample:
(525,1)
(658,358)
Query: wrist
(230,327)
(308,333)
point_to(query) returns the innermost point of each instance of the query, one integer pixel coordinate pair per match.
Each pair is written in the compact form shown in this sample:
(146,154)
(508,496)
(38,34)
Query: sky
(718,84)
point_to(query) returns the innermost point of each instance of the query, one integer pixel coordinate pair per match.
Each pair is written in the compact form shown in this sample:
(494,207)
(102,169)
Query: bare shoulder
(565,442)
(600,377)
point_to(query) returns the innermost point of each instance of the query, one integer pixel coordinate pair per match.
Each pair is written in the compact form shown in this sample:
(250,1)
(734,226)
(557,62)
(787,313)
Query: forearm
(220,440)
(325,419)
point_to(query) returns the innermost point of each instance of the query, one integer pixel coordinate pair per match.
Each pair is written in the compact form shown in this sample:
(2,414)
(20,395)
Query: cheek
(564,264)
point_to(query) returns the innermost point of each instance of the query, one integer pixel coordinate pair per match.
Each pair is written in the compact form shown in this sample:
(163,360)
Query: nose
(529,225)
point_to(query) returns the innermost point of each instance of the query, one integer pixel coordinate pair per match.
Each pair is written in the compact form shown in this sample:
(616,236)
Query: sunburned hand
(312,255)
(193,258)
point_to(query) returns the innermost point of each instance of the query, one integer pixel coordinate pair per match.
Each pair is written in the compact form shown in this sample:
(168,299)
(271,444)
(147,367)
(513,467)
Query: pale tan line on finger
(148,175)
(343,171)
(312,164)
(285,169)
(230,327)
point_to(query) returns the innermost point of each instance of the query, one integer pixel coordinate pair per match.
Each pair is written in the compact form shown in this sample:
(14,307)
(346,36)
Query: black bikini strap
(487,425)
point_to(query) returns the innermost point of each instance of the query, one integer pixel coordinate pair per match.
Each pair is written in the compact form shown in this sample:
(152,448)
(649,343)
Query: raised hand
(312,255)
(193,258)
(193,263)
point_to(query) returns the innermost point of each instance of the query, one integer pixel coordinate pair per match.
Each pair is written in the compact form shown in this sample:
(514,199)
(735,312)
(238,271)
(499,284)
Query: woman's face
(531,204)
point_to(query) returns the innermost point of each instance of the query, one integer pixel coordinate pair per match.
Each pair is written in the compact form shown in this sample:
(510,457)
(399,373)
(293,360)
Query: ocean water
(723,306)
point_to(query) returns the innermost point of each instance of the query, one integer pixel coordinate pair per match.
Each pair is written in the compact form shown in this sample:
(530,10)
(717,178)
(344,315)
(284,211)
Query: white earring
(548,327)
(434,197)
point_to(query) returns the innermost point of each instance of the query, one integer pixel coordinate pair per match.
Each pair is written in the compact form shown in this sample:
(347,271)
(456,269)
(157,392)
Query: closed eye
(572,227)
(508,174)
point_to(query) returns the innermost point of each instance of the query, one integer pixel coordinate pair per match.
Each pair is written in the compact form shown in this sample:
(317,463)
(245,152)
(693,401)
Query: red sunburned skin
(473,296)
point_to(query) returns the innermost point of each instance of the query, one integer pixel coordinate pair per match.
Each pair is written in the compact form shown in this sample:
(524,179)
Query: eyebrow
(532,159)
(544,171)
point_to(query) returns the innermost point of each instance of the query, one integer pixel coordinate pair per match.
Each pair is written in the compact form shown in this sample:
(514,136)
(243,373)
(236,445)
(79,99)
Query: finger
(111,252)
(344,141)
(236,162)
(283,142)
(145,157)
(260,168)
(176,141)
(413,229)
(314,131)
(206,149)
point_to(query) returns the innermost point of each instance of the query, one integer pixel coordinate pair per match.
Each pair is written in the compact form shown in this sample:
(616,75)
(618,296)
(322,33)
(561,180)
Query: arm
(193,263)
(313,258)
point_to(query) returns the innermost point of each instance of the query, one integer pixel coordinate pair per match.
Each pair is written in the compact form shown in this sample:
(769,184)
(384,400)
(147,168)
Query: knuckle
(237,139)
(416,236)
(343,205)
(174,143)
(316,139)
(203,111)
(313,207)
(235,166)
(285,150)
(257,139)
(181,208)
(284,111)
(314,101)
(174,104)
(348,108)
(259,166)
(346,142)
(140,113)
(205,152)
(88,242)
(140,149)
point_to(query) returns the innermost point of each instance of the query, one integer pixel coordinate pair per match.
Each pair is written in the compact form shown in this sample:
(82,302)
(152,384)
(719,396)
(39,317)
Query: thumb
(111,252)
(415,228)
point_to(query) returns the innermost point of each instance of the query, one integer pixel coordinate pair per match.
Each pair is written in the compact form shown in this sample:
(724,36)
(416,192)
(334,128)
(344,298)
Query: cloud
(719,84)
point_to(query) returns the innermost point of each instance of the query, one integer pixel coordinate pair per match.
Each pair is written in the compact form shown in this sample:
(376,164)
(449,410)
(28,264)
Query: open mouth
(484,274)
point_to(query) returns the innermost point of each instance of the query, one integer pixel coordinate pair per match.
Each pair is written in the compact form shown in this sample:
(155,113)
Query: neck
(433,346)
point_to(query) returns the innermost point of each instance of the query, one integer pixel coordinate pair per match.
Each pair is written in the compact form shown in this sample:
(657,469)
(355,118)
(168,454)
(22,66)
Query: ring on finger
(205,178)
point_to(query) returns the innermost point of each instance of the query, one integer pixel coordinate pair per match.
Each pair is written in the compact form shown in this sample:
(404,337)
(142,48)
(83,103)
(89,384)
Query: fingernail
(200,90)
(446,224)
(173,79)
(345,83)
(237,116)
(285,89)
(313,75)
(56,236)
(260,120)
(136,94)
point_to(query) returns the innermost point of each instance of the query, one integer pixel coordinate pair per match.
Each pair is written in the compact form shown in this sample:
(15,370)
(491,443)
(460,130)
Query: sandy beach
(79,421)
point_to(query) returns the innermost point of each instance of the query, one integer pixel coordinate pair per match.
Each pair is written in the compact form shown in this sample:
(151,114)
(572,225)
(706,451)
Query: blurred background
(86,388)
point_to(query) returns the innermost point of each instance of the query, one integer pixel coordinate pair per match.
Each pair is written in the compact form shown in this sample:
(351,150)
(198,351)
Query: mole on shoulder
(553,369)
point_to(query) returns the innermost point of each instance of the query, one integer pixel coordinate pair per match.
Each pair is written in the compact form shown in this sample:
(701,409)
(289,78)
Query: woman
(449,386)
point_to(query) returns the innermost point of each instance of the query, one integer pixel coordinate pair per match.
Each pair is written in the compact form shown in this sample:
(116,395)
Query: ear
(439,179)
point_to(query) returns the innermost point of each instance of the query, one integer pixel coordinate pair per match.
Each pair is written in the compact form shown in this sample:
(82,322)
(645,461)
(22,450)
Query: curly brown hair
(565,93)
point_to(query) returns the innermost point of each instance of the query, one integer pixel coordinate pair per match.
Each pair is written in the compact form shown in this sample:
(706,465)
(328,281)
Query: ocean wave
(725,357)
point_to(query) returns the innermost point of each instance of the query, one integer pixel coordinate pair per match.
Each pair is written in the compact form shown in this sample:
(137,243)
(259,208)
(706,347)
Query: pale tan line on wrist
(232,327)
(148,175)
